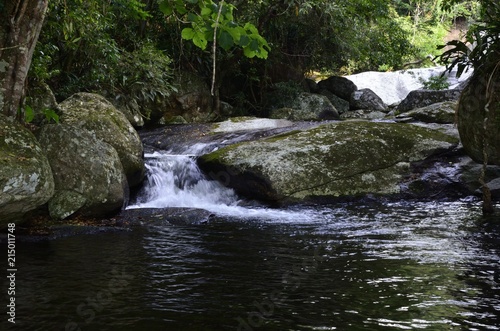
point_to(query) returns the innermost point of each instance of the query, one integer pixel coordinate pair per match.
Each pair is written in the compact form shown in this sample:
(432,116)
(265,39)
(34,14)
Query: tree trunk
(20,25)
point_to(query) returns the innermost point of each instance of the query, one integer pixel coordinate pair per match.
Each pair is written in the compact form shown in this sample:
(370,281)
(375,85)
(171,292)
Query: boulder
(99,117)
(363,114)
(423,98)
(340,104)
(340,159)
(311,85)
(131,110)
(192,100)
(367,99)
(481,95)
(340,86)
(88,174)
(442,112)
(26,180)
(40,98)
(307,107)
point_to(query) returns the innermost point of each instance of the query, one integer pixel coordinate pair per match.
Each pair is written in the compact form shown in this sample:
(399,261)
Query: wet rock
(163,216)
(26,180)
(343,159)
(101,119)
(363,114)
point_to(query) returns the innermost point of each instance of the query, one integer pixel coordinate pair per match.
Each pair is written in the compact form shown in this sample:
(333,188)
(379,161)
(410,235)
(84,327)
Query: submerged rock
(343,159)
(26,180)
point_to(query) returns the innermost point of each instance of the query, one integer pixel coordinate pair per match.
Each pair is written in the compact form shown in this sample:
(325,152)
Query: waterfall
(174,180)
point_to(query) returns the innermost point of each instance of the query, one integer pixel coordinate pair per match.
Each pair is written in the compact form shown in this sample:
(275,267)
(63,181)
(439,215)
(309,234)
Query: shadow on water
(392,266)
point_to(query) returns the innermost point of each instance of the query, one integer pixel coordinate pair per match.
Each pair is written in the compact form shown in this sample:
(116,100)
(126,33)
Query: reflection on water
(394,266)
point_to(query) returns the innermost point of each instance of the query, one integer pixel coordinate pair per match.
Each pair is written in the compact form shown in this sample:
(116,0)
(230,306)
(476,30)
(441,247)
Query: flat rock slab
(163,216)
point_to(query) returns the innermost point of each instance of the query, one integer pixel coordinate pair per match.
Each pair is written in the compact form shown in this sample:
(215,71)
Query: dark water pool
(393,266)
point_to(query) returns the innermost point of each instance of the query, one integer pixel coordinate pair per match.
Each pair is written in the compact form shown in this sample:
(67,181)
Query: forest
(129,50)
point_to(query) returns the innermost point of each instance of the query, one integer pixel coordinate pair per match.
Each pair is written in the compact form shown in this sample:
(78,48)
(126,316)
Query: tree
(21,22)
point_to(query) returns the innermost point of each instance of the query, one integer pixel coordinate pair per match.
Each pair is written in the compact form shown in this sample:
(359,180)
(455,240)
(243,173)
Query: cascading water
(174,180)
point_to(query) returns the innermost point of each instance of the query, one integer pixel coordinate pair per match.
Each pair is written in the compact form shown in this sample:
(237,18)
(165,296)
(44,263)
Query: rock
(363,114)
(340,86)
(423,98)
(307,107)
(26,180)
(442,112)
(131,110)
(470,172)
(40,97)
(471,114)
(341,159)
(99,117)
(367,99)
(88,175)
(311,85)
(192,100)
(340,104)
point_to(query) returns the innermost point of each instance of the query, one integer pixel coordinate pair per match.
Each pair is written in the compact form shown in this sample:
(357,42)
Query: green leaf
(29,114)
(225,40)
(194,2)
(205,11)
(244,41)
(50,114)
(187,33)
(200,40)
(165,8)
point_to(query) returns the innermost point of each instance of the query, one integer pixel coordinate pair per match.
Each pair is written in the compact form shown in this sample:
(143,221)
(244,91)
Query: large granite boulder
(192,100)
(367,99)
(479,109)
(441,112)
(88,175)
(26,180)
(340,86)
(340,159)
(340,104)
(99,117)
(307,107)
(424,98)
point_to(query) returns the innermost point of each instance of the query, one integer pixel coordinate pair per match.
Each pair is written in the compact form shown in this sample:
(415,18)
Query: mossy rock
(481,93)
(26,180)
(100,118)
(342,159)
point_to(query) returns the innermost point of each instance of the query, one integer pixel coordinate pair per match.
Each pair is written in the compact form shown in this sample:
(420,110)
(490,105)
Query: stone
(88,174)
(340,86)
(26,180)
(423,98)
(338,159)
(192,100)
(363,114)
(307,107)
(481,94)
(340,104)
(367,99)
(441,112)
(100,118)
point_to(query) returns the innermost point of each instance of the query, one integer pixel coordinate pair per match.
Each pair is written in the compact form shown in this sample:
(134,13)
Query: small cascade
(174,180)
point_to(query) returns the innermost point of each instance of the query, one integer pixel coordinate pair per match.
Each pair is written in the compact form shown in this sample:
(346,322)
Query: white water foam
(174,180)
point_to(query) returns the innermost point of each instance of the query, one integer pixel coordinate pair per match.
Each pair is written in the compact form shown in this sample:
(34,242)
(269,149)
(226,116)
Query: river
(387,265)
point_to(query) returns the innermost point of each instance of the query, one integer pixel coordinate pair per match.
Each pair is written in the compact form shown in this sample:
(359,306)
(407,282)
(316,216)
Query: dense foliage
(127,49)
